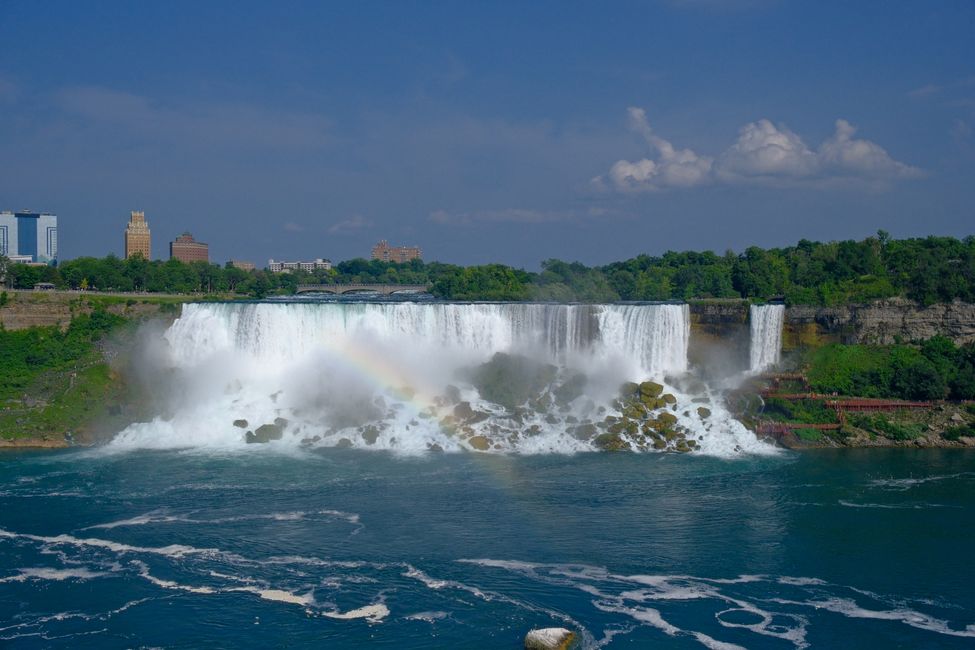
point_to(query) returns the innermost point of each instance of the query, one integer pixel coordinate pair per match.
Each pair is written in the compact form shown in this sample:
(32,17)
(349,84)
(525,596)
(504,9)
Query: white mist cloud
(842,155)
(763,153)
(352,224)
(669,167)
(765,150)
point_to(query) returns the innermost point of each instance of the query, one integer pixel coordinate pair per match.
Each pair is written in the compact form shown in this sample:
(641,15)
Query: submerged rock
(240,424)
(549,638)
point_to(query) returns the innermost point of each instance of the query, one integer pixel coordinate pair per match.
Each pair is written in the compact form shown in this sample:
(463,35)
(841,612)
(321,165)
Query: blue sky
(494,131)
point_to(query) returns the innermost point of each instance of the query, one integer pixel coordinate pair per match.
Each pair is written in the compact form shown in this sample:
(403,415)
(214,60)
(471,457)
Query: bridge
(382,289)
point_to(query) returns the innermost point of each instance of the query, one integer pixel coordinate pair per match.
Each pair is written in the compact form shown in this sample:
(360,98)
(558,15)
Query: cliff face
(887,321)
(30,309)
(880,323)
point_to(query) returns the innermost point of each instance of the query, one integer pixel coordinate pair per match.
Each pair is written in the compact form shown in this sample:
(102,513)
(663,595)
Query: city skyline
(490,133)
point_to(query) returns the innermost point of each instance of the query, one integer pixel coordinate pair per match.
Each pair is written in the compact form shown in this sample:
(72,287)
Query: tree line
(928,270)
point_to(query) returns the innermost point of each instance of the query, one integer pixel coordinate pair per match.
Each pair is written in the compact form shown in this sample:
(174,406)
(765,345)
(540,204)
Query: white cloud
(764,153)
(764,150)
(841,155)
(670,167)
(352,224)
(291,226)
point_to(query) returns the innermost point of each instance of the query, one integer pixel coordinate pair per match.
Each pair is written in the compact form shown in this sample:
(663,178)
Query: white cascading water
(375,375)
(766,335)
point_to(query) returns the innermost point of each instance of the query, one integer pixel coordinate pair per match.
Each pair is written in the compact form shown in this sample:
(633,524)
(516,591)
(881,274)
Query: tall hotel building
(29,236)
(137,236)
(187,249)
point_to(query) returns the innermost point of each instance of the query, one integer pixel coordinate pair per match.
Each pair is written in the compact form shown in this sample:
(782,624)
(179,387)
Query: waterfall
(654,336)
(766,335)
(418,377)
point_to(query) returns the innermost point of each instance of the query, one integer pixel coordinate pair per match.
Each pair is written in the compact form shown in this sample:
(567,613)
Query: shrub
(955,433)
(883,426)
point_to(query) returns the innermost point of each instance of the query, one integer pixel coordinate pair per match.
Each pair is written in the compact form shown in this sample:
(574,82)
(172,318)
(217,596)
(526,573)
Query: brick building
(187,249)
(386,253)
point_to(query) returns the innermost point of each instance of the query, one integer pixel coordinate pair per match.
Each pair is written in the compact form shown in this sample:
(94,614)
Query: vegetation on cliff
(53,382)
(935,369)
(928,270)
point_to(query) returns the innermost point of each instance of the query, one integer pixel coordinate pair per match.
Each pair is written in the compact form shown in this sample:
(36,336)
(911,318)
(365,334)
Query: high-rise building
(386,253)
(137,237)
(29,236)
(187,249)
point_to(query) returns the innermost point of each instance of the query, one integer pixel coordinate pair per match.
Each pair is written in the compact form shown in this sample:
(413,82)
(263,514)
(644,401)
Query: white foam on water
(372,613)
(427,617)
(334,374)
(851,609)
(156,517)
(894,506)
(903,484)
(50,573)
(654,593)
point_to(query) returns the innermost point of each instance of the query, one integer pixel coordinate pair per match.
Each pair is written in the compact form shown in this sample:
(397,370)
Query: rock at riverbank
(549,638)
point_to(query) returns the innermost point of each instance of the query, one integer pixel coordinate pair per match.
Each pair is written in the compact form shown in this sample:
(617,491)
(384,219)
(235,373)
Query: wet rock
(659,444)
(463,411)
(343,443)
(668,398)
(571,389)
(667,419)
(651,389)
(635,411)
(266,433)
(703,412)
(370,434)
(511,380)
(240,424)
(584,431)
(451,394)
(610,442)
(434,447)
(480,443)
(630,389)
(549,638)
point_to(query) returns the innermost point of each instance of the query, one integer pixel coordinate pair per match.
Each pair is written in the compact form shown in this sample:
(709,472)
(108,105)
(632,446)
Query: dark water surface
(345,549)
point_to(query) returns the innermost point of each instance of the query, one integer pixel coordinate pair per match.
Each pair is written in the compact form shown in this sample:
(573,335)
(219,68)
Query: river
(345,548)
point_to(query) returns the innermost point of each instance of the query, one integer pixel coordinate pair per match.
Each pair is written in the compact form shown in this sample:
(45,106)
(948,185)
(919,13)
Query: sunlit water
(336,548)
